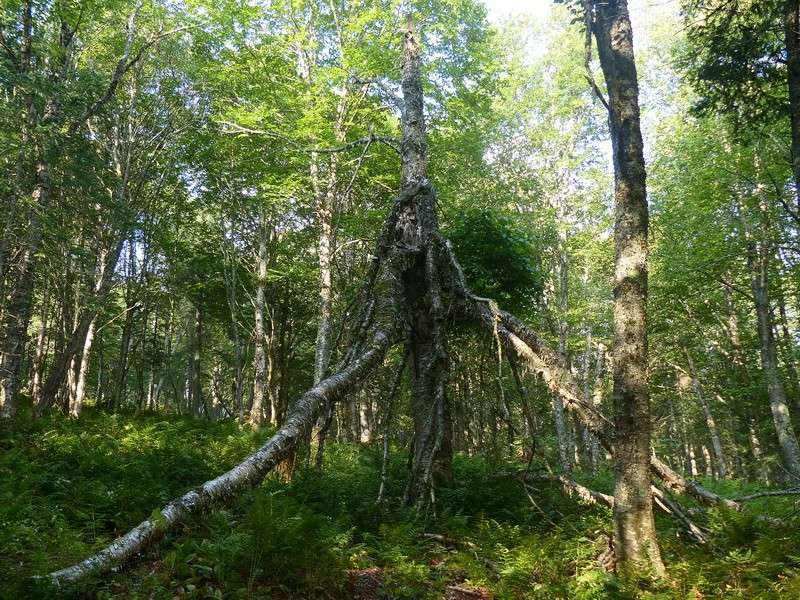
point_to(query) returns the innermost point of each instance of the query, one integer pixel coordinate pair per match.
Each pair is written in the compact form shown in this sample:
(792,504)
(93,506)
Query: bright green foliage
(206,148)
(318,536)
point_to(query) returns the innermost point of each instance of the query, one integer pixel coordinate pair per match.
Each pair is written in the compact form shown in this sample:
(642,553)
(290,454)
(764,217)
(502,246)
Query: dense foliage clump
(500,257)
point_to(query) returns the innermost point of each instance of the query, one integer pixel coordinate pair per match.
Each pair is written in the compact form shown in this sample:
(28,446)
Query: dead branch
(768,494)
(672,508)
(448,541)
(235,128)
(570,487)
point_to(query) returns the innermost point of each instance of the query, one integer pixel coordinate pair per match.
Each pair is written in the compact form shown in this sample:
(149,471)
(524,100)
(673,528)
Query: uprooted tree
(413,293)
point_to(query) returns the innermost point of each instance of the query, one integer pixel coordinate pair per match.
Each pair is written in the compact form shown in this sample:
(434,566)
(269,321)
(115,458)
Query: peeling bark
(417,229)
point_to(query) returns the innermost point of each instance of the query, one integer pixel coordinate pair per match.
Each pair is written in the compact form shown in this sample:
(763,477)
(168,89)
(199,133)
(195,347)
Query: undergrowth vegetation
(68,488)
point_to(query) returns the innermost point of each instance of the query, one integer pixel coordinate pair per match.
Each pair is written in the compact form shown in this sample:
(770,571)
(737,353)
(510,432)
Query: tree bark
(39,356)
(411,261)
(428,359)
(259,333)
(758,259)
(713,432)
(244,475)
(597,401)
(103,282)
(18,314)
(76,404)
(563,433)
(635,538)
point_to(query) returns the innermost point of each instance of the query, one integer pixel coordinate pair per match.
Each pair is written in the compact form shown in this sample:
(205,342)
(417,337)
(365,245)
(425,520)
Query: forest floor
(67,488)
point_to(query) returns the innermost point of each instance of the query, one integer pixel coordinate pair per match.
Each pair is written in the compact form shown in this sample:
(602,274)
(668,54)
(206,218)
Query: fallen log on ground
(589,496)
(246,474)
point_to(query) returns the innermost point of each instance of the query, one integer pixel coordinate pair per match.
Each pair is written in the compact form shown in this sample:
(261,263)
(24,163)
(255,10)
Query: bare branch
(126,62)
(587,57)
(768,494)
(235,128)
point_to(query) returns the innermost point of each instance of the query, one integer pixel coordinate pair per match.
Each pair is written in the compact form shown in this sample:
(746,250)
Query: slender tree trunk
(788,343)
(586,435)
(636,544)
(259,333)
(231,285)
(324,212)
(103,281)
(758,259)
(563,437)
(18,314)
(83,368)
(39,356)
(597,401)
(792,40)
(196,380)
(713,432)
(755,449)
(387,428)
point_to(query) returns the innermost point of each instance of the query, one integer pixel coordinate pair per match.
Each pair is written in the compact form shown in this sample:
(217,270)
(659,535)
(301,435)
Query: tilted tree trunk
(635,541)
(76,404)
(713,432)
(103,283)
(244,475)
(758,256)
(411,261)
(46,148)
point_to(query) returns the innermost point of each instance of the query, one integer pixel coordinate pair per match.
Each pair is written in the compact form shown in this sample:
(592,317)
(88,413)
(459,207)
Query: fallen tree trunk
(768,494)
(589,496)
(247,473)
(519,339)
(570,487)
